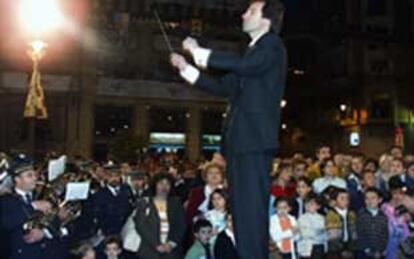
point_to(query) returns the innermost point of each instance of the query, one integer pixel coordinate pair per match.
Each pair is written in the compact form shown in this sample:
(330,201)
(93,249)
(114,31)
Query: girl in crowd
(217,214)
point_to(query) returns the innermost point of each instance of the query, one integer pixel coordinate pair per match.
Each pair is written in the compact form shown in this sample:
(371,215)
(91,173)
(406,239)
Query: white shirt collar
(208,190)
(113,190)
(342,212)
(21,192)
(230,234)
(373,212)
(256,39)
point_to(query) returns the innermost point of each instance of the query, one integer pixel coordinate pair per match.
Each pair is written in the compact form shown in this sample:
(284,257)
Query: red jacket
(287,192)
(195,198)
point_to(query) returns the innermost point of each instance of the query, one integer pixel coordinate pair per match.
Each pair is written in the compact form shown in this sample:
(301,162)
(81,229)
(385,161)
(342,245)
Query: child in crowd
(84,251)
(283,185)
(201,248)
(398,218)
(225,246)
(372,227)
(113,248)
(313,241)
(283,229)
(303,188)
(328,200)
(218,208)
(341,227)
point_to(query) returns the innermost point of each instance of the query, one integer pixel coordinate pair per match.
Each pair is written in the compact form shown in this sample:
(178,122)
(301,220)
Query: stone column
(88,85)
(71,131)
(193,133)
(141,121)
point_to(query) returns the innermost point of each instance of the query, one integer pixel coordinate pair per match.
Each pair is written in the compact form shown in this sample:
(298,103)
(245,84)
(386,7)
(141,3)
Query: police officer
(111,204)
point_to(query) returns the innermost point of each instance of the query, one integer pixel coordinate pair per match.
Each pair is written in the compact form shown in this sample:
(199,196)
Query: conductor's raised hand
(178,61)
(190,44)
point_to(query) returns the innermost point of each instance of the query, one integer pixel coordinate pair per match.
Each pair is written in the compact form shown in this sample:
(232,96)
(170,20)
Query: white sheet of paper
(56,168)
(3,176)
(77,191)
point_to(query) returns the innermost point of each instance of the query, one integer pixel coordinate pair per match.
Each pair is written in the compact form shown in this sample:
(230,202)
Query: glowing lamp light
(298,72)
(343,107)
(284,126)
(40,16)
(283,103)
(38,46)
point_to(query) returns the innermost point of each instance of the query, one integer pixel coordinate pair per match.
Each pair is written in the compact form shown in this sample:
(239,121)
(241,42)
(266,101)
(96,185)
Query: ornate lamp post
(38,18)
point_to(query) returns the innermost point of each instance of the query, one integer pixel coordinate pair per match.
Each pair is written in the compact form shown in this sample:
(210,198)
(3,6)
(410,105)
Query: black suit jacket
(147,223)
(109,211)
(14,213)
(254,88)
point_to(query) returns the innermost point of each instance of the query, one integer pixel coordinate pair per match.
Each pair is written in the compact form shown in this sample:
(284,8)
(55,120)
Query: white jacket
(312,232)
(278,235)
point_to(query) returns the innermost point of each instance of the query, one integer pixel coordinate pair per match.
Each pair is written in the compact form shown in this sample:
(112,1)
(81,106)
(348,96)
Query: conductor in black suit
(254,86)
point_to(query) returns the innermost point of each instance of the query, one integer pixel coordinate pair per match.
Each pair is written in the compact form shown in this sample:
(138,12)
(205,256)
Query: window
(376,7)
(381,108)
(379,67)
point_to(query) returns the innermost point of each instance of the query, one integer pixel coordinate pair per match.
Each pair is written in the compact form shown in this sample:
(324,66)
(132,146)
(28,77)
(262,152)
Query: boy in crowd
(113,248)
(372,227)
(201,248)
(283,229)
(341,227)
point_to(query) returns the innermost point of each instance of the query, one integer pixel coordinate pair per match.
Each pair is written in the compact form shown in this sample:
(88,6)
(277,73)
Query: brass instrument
(54,193)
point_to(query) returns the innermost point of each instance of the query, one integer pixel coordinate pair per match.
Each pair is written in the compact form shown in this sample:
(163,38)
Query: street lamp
(38,18)
(283,103)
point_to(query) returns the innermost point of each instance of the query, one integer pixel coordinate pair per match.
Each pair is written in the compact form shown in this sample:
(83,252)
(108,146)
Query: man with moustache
(111,205)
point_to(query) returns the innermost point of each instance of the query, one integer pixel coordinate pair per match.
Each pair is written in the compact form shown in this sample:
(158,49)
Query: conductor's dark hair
(274,11)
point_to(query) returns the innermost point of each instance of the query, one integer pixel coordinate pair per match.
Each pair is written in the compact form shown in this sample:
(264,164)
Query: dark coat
(296,209)
(195,198)
(111,212)
(224,248)
(147,223)
(372,231)
(254,88)
(14,213)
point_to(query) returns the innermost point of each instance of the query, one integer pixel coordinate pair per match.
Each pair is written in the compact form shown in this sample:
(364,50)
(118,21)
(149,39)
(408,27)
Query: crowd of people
(162,206)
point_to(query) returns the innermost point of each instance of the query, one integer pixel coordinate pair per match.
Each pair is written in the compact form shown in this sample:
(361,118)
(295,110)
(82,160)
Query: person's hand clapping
(178,61)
